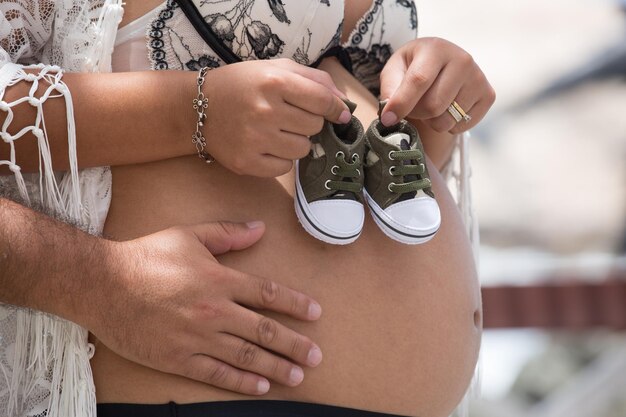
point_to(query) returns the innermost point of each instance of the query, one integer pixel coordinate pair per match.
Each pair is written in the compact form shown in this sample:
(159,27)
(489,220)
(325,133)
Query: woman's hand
(261,114)
(425,76)
(174,308)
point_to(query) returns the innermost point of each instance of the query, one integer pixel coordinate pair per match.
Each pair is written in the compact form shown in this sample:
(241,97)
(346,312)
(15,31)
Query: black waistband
(251,408)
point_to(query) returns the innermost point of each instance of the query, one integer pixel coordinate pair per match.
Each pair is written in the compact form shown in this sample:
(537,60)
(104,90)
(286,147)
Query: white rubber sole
(306,219)
(396,231)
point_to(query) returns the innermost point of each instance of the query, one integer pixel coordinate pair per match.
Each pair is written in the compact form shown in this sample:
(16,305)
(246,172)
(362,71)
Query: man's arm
(45,263)
(118,290)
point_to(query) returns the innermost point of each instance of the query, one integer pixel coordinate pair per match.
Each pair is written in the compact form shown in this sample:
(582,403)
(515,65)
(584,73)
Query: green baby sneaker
(329,183)
(397,185)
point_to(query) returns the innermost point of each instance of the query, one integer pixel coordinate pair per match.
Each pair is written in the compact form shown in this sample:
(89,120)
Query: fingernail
(315,311)
(345,117)
(389,118)
(254,225)
(314,357)
(263,386)
(296,376)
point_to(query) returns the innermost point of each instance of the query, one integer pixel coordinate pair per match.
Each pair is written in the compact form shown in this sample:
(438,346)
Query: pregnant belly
(400,327)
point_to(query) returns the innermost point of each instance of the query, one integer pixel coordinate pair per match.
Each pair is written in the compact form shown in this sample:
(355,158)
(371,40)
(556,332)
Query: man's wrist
(51,266)
(88,282)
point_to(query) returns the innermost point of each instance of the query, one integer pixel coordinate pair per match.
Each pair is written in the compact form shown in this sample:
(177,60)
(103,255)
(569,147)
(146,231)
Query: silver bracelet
(200,104)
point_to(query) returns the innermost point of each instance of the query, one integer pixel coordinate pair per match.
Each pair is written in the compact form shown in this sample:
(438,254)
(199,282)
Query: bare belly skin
(400,329)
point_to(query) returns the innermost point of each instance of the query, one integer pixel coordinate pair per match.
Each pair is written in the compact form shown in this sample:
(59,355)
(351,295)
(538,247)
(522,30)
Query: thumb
(391,79)
(405,84)
(222,237)
(392,75)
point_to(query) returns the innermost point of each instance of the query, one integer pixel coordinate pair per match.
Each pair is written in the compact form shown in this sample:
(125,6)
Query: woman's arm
(120,119)
(260,114)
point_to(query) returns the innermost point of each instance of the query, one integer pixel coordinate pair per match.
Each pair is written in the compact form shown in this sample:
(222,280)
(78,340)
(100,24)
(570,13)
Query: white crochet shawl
(44,360)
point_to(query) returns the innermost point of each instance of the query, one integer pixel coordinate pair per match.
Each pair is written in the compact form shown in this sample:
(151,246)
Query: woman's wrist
(180,107)
(120,119)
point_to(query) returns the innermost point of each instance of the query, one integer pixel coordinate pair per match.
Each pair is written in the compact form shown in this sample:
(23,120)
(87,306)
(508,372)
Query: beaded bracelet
(200,104)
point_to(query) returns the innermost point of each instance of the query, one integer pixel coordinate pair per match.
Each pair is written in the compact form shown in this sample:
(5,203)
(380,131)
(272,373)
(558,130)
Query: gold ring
(460,110)
(455,113)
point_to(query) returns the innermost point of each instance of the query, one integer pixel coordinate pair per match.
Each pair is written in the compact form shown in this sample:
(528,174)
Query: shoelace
(344,169)
(409,169)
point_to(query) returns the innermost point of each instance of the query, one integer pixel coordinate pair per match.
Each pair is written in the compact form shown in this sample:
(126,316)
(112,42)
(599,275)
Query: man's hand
(179,311)
(161,300)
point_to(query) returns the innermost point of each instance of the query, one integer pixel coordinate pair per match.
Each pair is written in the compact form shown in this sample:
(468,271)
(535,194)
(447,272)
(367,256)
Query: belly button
(478,319)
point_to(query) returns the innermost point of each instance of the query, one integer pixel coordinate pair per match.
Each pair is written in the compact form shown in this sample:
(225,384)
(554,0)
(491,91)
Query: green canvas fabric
(377,176)
(314,172)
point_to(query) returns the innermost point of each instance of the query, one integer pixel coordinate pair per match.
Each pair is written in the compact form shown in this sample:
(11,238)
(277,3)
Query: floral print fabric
(302,30)
(387,26)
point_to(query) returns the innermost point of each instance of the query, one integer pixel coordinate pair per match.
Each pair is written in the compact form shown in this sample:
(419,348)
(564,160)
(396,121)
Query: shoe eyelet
(355,157)
(340,154)
(391,157)
(334,169)
(392,171)
(358,171)
(389,186)
(326,185)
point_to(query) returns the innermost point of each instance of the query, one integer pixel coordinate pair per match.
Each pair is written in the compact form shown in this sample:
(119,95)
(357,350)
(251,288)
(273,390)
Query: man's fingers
(219,374)
(221,237)
(250,357)
(274,336)
(265,294)
(315,98)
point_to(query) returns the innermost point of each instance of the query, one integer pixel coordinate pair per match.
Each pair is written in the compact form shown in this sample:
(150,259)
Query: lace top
(302,30)
(44,360)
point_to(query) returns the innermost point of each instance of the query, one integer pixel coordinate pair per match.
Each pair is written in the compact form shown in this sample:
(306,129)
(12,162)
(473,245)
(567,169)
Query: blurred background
(549,183)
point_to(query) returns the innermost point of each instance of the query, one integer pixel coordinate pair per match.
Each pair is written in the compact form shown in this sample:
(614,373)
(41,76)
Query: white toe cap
(340,217)
(419,214)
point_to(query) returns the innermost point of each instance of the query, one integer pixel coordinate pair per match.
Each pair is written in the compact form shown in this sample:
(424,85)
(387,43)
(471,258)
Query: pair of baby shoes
(384,167)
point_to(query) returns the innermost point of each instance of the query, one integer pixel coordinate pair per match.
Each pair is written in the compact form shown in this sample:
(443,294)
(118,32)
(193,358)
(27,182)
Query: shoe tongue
(398,139)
